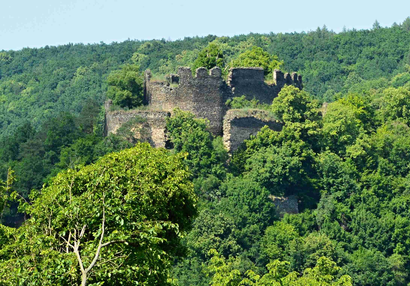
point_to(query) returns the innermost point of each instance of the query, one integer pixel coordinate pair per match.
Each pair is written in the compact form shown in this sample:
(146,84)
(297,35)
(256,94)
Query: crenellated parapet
(204,94)
(282,79)
(251,83)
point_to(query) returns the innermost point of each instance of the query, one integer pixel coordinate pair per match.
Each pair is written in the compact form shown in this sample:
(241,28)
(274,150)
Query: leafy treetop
(125,86)
(116,221)
(211,56)
(257,57)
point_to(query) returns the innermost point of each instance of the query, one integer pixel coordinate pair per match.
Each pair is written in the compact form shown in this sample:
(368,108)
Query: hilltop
(38,84)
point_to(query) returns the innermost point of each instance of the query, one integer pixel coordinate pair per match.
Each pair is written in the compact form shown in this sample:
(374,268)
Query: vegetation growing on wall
(38,84)
(133,211)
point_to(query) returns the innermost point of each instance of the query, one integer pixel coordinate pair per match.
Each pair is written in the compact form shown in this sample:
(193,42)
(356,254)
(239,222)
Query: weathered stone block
(153,126)
(240,124)
(201,72)
(205,96)
(185,74)
(285,205)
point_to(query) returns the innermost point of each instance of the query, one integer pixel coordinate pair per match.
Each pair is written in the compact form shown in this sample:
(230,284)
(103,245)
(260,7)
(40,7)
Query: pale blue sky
(36,23)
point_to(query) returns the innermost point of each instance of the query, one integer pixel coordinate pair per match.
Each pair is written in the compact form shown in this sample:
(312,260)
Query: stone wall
(251,83)
(203,95)
(285,205)
(151,130)
(240,124)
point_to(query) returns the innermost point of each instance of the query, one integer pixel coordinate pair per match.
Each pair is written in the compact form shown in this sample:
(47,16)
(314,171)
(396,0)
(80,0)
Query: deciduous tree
(117,222)
(125,86)
(257,57)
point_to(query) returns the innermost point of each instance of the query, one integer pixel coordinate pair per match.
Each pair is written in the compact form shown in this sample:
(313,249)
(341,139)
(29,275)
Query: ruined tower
(205,95)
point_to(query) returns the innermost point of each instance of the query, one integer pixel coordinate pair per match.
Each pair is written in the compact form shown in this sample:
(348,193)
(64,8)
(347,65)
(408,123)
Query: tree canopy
(118,221)
(257,57)
(342,156)
(209,57)
(125,86)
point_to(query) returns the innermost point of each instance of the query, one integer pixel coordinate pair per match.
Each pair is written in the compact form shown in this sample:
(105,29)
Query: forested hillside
(196,215)
(38,84)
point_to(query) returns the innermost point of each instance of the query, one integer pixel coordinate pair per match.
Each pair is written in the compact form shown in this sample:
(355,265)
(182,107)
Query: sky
(28,23)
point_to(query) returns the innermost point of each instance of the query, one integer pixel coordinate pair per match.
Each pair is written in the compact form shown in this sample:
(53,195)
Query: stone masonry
(240,124)
(285,205)
(205,95)
(153,125)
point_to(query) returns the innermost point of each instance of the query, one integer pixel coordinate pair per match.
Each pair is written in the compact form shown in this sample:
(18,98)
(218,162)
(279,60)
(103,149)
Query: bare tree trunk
(76,247)
(84,279)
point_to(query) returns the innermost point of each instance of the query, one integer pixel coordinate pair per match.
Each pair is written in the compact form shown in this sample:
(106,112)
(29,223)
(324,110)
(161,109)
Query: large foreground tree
(116,222)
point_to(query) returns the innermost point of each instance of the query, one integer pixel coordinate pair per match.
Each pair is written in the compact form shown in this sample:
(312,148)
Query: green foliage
(209,57)
(109,144)
(369,267)
(125,86)
(277,169)
(324,273)
(248,203)
(294,105)
(240,102)
(81,152)
(91,118)
(277,238)
(64,142)
(5,192)
(348,168)
(257,57)
(341,126)
(5,58)
(128,211)
(190,135)
(394,105)
(234,225)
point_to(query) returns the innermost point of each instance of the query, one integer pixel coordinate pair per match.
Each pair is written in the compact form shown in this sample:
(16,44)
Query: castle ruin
(205,95)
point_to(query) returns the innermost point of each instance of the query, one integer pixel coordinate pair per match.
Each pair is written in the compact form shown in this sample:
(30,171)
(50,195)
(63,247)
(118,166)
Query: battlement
(249,75)
(251,83)
(202,94)
(184,75)
(281,79)
(256,76)
(205,94)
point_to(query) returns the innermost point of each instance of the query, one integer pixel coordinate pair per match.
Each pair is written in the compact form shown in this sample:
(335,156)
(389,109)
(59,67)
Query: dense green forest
(38,84)
(194,215)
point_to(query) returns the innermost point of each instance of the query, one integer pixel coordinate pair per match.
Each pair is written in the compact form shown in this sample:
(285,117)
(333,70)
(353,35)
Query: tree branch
(82,231)
(100,244)
(67,241)
(77,254)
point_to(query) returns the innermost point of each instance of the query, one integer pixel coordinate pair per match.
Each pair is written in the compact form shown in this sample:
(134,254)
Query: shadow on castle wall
(151,130)
(205,95)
